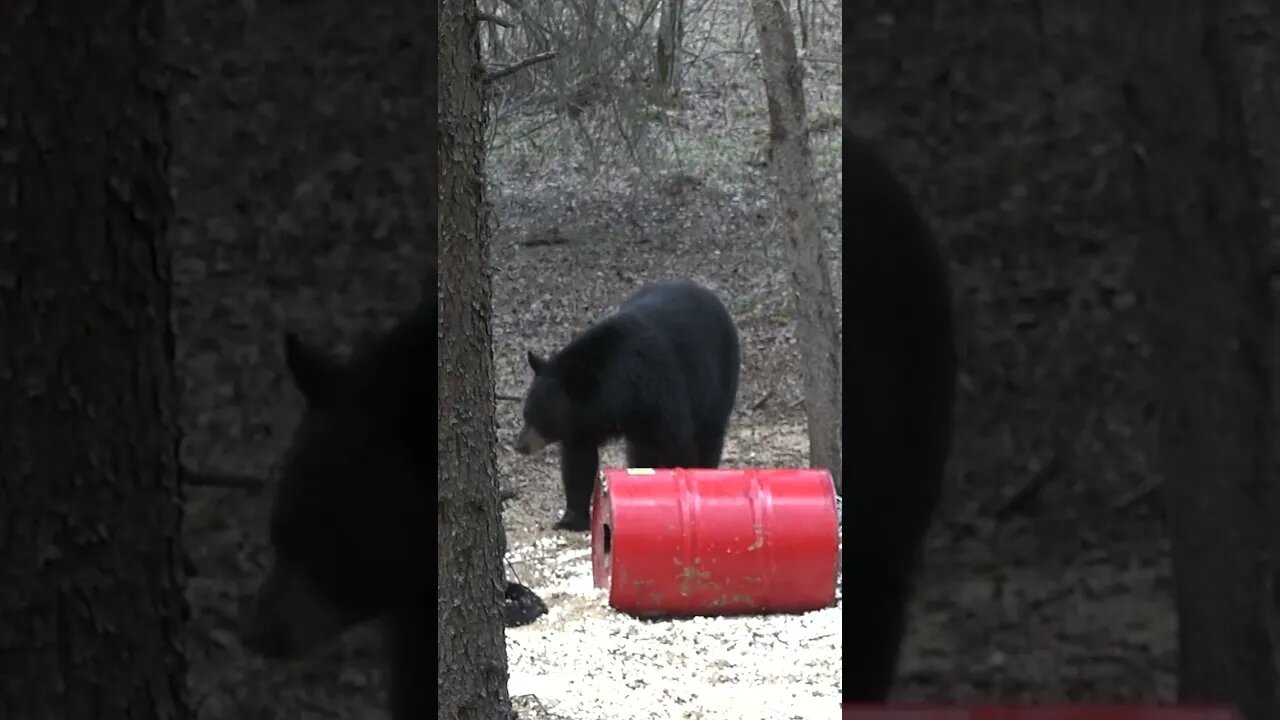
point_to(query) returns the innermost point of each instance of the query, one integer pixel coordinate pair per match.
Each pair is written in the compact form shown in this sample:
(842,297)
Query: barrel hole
(608,539)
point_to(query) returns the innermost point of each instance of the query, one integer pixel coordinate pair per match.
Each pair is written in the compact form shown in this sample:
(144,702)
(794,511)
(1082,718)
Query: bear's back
(695,326)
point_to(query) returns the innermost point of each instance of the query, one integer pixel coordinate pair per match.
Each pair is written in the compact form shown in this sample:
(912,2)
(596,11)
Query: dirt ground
(296,167)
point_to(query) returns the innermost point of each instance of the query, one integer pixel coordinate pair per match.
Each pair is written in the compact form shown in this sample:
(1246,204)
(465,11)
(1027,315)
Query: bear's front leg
(579,463)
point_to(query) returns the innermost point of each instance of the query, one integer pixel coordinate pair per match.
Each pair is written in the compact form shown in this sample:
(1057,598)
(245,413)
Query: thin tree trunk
(92,609)
(472,681)
(803,23)
(670,46)
(1211,324)
(817,327)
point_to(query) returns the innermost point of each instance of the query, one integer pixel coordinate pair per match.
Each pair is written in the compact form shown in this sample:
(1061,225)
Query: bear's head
(546,408)
(349,520)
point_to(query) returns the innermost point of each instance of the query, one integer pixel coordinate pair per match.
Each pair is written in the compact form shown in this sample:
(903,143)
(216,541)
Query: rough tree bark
(1211,322)
(817,328)
(472,653)
(91,565)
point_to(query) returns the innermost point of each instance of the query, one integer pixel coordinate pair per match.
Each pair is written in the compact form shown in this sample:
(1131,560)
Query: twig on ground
(545,241)
(1030,488)
(319,708)
(553,236)
(763,399)
(1135,495)
(191,478)
(1061,592)
(183,70)
(486,17)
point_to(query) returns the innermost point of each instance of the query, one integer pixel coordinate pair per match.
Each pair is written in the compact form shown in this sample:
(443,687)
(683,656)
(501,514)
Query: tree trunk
(92,609)
(1211,324)
(472,682)
(431,83)
(805,23)
(817,328)
(666,82)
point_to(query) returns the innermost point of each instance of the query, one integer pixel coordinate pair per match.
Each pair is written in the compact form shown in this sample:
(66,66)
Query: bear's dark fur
(661,372)
(353,519)
(899,387)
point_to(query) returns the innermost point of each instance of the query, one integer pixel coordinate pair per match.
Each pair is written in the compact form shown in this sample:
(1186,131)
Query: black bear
(661,372)
(352,521)
(899,387)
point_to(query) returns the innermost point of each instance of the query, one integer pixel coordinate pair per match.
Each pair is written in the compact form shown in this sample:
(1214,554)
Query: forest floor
(297,164)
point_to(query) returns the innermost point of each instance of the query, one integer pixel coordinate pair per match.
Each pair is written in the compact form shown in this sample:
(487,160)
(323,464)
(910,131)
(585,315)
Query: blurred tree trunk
(1211,321)
(817,329)
(92,609)
(666,81)
(431,82)
(472,653)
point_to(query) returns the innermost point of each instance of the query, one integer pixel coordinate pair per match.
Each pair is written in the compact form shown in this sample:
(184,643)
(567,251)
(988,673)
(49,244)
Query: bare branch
(505,71)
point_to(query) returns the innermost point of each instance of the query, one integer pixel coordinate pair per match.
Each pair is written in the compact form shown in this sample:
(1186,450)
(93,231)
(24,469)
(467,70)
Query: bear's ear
(314,372)
(536,362)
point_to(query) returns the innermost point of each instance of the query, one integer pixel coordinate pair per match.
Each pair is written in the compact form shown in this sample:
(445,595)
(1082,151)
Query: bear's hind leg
(875,620)
(710,446)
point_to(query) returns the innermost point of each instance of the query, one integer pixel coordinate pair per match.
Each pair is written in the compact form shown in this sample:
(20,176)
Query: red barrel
(714,542)
(1039,712)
